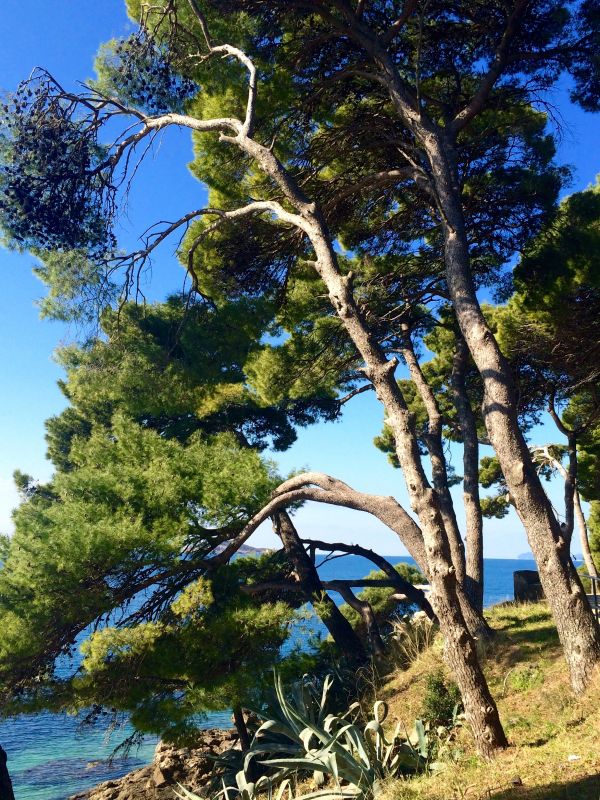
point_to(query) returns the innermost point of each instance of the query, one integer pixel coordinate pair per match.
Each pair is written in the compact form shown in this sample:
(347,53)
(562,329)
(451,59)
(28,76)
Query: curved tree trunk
(342,632)
(414,595)
(473,515)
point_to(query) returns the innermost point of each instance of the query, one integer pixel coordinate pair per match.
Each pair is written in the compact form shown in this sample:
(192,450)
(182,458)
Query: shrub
(441,703)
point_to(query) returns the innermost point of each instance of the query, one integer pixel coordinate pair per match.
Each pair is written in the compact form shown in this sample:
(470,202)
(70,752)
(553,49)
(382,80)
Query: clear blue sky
(63,36)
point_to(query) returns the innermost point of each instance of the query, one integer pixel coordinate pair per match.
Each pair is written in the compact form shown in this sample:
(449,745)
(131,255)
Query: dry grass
(554,735)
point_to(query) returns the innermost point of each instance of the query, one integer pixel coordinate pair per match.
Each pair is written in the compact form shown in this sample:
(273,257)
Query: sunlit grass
(554,736)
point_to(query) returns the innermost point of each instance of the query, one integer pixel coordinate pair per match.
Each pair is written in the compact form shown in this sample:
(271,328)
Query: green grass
(554,735)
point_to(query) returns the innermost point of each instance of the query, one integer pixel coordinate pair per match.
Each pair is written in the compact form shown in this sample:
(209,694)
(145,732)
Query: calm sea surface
(52,756)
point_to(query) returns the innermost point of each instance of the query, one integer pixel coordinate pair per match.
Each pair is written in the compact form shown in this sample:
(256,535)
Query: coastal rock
(189,766)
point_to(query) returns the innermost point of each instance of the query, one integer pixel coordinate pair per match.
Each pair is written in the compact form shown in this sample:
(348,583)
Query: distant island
(248,550)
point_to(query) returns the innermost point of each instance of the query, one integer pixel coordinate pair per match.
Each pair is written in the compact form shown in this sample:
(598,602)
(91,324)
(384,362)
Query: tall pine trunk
(480,707)
(576,624)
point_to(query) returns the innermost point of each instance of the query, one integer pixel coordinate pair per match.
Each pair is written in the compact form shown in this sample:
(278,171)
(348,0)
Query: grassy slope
(544,721)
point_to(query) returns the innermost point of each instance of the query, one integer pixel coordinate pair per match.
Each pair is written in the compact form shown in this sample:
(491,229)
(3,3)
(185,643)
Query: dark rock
(528,588)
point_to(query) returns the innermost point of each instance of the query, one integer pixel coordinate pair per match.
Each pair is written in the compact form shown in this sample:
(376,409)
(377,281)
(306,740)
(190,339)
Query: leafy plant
(441,702)
(338,746)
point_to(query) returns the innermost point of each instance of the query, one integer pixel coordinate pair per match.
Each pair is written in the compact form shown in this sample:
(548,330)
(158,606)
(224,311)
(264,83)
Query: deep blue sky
(63,36)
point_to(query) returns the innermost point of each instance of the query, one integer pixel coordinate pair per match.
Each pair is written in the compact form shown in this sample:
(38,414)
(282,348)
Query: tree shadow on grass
(523,646)
(587,788)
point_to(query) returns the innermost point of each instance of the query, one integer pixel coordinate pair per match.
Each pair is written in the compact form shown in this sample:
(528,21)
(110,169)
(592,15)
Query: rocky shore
(190,767)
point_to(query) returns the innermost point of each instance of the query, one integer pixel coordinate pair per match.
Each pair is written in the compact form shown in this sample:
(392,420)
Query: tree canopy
(369,169)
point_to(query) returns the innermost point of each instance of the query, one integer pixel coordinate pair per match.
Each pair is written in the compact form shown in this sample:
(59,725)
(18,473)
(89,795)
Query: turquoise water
(52,756)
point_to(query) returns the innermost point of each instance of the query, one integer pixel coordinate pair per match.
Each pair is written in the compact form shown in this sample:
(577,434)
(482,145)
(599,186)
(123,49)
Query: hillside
(554,735)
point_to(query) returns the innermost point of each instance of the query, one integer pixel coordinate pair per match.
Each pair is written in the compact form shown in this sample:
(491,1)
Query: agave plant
(300,736)
(246,789)
(263,788)
(358,757)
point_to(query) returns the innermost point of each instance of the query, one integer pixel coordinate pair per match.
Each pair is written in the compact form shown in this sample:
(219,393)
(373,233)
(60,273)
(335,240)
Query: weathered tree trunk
(6,788)
(479,705)
(342,632)
(577,627)
(472,611)
(473,516)
(368,617)
(588,558)
(241,727)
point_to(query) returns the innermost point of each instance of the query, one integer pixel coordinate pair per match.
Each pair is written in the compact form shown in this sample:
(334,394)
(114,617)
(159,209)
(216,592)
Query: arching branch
(321,488)
(402,586)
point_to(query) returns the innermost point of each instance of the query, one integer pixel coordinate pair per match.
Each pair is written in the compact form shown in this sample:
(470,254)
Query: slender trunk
(473,516)
(570,488)
(433,441)
(583,534)
(342,632)
(368,617)
(577,627)
(6,788)
(241,727)
(472,611)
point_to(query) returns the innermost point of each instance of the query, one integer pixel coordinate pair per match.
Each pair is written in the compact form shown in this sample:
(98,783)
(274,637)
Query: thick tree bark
(577,627)
(473,516)
(6,788)
(342,632)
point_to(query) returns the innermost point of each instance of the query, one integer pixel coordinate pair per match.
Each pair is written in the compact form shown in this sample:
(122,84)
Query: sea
(52,756)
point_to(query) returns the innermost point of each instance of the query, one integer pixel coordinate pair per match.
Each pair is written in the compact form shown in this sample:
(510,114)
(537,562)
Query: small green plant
(442,703)
(524,678)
